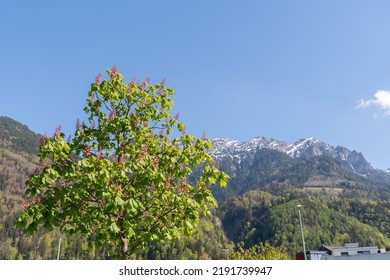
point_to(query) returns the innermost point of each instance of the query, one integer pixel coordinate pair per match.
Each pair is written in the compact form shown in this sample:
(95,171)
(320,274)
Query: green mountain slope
(17,137)
(271,215)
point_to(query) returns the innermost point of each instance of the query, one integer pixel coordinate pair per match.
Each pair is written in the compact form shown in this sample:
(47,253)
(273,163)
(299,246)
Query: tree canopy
(122,178)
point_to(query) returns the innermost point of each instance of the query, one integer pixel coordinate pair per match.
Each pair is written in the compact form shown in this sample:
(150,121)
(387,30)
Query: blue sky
(280,69)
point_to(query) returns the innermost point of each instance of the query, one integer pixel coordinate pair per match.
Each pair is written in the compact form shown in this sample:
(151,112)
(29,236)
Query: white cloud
(381,100)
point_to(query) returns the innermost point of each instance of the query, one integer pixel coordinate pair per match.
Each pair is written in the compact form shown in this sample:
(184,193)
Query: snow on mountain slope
(303,148)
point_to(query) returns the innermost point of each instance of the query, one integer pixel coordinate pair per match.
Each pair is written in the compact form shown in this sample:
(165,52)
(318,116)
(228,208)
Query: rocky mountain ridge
(304,148)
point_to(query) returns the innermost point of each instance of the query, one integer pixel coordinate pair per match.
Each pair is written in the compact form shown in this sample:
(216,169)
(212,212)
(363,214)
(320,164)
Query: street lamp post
(59,248)
(303,238)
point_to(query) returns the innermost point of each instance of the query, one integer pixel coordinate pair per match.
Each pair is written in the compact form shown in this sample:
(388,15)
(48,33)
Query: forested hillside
(17,137)
(329,216)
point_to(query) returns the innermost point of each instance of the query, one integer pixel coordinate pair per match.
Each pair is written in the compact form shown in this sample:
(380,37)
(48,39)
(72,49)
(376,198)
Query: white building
(350,251)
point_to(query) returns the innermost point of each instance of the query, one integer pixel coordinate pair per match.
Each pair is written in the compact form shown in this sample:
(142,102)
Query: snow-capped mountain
(303,148)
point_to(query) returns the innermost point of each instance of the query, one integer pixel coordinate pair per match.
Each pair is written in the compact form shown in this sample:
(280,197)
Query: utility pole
(303,238)
(59,248)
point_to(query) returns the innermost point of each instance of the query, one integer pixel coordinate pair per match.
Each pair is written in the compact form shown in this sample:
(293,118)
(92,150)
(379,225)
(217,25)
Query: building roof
(348,251)
(350,247)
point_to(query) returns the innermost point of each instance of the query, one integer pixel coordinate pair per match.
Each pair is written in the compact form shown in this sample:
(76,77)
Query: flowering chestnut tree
(123,177)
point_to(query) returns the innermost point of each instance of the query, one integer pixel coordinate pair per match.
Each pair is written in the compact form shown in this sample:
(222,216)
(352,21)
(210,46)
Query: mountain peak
(17,136)
(308,148)
(303,148)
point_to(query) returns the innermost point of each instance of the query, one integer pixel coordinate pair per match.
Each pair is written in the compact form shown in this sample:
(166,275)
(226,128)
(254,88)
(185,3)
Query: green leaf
(130,232)
(181,127)
(114,227)
(119,201)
